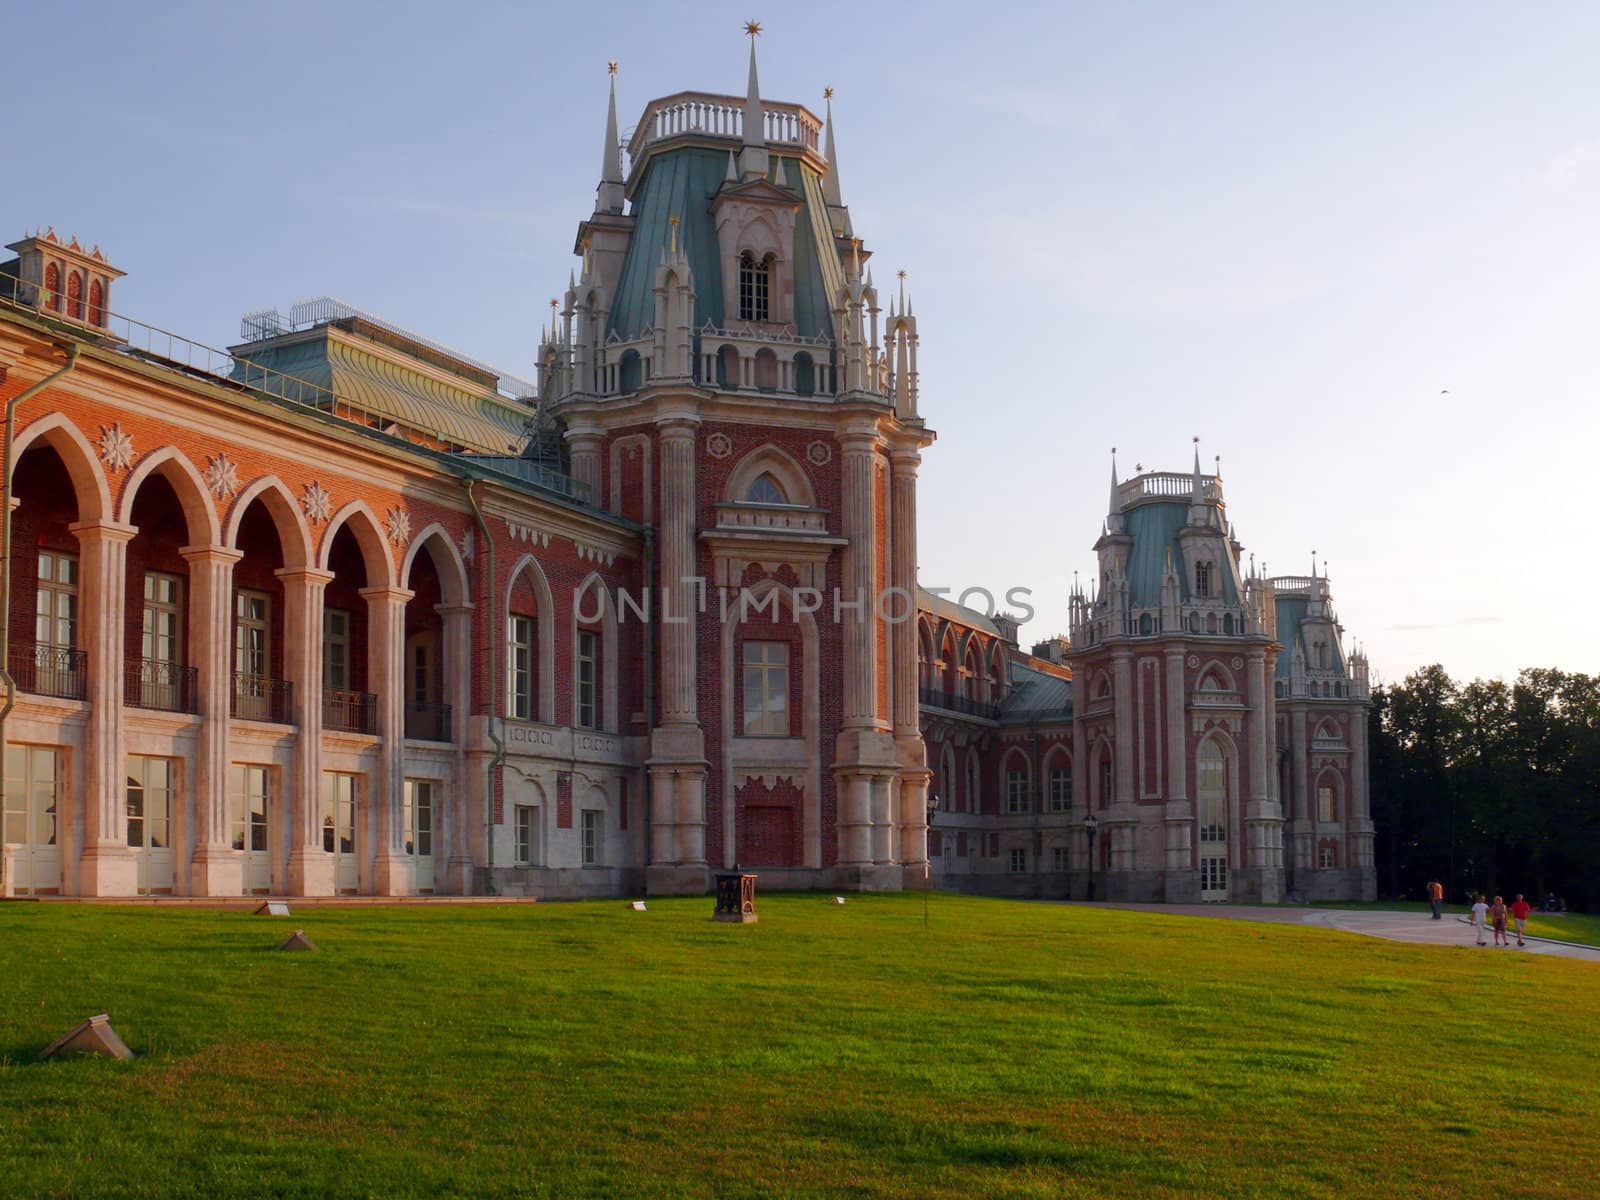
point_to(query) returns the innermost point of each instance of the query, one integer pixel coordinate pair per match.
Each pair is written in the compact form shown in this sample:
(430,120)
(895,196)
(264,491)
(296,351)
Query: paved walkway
(1395,926)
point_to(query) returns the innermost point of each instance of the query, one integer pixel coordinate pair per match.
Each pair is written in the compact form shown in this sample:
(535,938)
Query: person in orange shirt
(1436,898)
(1520,909)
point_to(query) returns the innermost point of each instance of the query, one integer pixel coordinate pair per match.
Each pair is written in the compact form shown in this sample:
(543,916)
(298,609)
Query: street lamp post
(927,860)
(1092,824)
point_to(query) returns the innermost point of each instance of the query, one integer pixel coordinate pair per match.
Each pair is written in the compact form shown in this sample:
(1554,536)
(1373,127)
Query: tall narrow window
(1060,789)
(163,618)
(75,295)
(253,634)
(974,785)
(97,312)
(766,689)
(1019,860)
(52,287)
(755,286)
(56,602)
(249,807)
(149,802)
(1202,579)
(337,813)
(527,835)
(1017,792)
(591,837)
(588,679)
(1211,784)
(1327,809)
(519,680)
(336,649)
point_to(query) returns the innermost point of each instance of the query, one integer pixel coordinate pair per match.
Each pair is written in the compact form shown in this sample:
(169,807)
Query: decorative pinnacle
(827,93)
(673,221)
(753,28)
(611,67)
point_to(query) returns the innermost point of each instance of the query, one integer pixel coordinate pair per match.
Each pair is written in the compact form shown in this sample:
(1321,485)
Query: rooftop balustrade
(1166,485)
(709,115)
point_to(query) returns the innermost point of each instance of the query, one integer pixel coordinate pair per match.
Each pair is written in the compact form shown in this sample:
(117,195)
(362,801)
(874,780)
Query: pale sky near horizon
(1351,247)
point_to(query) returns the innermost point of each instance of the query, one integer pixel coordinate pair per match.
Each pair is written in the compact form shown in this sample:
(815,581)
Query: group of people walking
(1487,916)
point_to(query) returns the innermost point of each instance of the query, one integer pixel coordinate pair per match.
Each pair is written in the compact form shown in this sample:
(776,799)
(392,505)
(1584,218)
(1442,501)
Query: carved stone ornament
(399,526)
(116,447)
(317,503)
(719,445)
(819,453)
(222,477)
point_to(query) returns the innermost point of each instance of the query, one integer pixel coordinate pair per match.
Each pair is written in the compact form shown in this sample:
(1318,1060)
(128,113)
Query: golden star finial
(753,28)
(827,93)
(611,67)
(899,274)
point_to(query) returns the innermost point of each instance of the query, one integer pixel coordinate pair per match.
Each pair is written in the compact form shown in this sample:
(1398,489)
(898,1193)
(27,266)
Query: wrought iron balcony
(349,712)
(257,698)
(165,686)
(428,721)
(50,670)
(950,702)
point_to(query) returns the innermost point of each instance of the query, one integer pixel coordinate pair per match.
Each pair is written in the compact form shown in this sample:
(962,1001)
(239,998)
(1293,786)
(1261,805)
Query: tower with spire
(720,374)
(1203,739)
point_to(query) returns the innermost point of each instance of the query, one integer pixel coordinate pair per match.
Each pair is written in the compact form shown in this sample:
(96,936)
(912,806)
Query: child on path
(1519,913)
(1480,910)
(1497,913)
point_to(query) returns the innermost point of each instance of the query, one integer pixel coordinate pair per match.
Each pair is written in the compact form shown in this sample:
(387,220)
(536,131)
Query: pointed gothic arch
(588,597)
(294,535)
(370,539)
(174,466)
(786,472)
(527,572)
(447,561)
(82,464)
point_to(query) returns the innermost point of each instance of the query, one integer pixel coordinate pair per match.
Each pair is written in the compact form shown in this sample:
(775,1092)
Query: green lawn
(1568,927)
(1013,1050)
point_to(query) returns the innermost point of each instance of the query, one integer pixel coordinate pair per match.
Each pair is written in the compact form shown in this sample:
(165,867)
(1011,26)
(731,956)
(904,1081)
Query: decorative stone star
(399,526)
(116,447)
(753,28)
(222,477)
(317,503)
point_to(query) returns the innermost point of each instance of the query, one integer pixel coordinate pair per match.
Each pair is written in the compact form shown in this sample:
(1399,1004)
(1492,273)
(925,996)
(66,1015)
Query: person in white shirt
(1480,911)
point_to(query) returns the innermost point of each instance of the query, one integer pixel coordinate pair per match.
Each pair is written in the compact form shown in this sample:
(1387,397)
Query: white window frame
(56,602)
(1018,860)
(766,688)
(150,787)
(586,700)
(336,626)
(157,607)
(1060,789)
(520,635)
(1017,791)
(591,828)
(525,829)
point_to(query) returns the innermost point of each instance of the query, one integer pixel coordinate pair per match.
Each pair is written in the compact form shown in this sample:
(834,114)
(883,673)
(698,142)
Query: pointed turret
(832,193)
(1199,513)
(609,195)
(753,158)
(1114,509)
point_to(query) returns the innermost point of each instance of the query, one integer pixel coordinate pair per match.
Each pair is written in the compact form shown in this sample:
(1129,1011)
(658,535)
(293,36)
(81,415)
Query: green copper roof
(1035,696)
(682,183)
(456,414)
(1154,529)
(1291,610)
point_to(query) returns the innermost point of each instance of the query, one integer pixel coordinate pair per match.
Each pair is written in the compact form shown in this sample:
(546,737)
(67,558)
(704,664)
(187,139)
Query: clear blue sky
(1289,229)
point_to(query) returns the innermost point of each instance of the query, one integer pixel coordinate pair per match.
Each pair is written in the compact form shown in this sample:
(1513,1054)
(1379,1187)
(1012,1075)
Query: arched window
(755,288)
(728,367)
(1211,786)
(1202,579)
(972,797)
(52,287)
(765,490)
(766,370)
(1108,777)
(1327,799)
(805,374)
(97,304)
(75,295)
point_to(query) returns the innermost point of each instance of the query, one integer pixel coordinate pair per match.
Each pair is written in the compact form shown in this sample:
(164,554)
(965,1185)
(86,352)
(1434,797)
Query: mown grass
(1568,927)
(1014,1049)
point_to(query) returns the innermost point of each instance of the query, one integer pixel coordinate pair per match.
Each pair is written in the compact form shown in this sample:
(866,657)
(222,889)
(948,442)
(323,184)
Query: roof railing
(706,114)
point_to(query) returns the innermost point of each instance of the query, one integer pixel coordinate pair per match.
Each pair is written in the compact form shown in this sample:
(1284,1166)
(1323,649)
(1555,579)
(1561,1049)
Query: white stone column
(903,577)
(393,871)
(675,549)
(689,805)
(310,870)
(663,833)
(216,869)
(1180,815)
(855,820)
(1122,716)
(914,821)
(461,833)
(860,563)
(882,827)
(107,867)
(583,443)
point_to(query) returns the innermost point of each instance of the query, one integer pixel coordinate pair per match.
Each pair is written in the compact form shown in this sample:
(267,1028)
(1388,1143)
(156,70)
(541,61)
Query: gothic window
(75,295)
(1211,785)
(1327,857)
(1017,792)
(1060,789)
(1202,579)
(766,689)
(1108,778)
(972,804)
(52,287)
(97,314)
(755,288)
(765,490)
(1327,803)
(588,690)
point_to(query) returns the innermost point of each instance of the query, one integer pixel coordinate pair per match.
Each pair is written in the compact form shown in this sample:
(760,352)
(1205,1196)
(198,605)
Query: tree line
(1488,787)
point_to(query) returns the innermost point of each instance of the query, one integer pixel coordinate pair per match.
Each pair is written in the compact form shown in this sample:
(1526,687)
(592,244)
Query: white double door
(31,827)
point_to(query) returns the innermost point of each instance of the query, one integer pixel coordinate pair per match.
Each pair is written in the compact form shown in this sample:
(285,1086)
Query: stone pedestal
(736,898)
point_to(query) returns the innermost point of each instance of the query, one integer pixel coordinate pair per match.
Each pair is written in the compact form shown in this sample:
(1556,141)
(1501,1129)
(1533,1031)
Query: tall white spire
(609,196)
(753,158)
(1114,509)
(830,185)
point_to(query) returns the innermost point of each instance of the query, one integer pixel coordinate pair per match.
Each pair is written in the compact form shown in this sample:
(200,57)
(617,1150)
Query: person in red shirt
(1436,897)
(1520,909)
